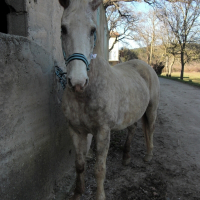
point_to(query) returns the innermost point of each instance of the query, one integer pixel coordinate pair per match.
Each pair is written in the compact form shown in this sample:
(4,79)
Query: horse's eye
(93,30)
(63,30)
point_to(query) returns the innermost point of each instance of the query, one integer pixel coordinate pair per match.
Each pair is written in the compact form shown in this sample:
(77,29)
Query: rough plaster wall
(104,33)
(44,26)
(35,149)
(102,37)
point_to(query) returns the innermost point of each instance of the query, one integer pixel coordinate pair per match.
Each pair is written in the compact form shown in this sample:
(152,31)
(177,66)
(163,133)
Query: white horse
(103,98)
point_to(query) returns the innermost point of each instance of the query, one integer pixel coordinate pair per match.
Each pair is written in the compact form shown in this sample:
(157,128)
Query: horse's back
(140,68)
(137,66)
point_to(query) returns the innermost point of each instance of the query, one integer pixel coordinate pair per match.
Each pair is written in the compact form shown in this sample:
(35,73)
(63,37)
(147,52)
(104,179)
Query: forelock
(78,4)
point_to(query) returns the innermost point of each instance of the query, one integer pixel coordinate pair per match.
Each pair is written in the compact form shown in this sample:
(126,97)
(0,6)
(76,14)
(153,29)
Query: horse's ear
(64,3)
(95,4)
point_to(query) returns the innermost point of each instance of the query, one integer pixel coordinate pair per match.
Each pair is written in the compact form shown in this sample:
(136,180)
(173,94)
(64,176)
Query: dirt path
(174,172)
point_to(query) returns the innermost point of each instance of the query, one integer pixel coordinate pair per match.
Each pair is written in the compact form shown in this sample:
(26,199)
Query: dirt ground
(174,172)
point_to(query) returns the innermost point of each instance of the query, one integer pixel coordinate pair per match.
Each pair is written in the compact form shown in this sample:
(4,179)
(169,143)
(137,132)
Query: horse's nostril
(69,82)
(86,82)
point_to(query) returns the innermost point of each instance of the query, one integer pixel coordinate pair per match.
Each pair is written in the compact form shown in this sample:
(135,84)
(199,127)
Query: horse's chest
(82,112)
(75,112)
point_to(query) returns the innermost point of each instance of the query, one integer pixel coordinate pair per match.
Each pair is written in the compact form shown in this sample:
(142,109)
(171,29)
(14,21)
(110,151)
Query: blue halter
(79,56)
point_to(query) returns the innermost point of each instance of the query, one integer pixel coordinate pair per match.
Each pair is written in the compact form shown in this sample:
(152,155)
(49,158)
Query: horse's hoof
(148,158)
(100,196)
(126,162)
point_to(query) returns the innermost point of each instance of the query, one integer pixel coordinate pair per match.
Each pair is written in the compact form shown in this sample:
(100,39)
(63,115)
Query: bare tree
(182,18)
(121,19)
(169,47)
(146,33)
(108,3)
(171,53)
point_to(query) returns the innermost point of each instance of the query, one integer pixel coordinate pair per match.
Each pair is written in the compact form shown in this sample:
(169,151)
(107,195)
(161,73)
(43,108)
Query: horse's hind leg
(80,144)
(127,146)
(148,120)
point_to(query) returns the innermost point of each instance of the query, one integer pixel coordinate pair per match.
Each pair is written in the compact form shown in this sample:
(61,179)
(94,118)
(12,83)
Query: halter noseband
(78,56)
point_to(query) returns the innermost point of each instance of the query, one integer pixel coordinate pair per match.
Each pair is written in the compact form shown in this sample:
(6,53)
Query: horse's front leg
(102,145)
(80,144)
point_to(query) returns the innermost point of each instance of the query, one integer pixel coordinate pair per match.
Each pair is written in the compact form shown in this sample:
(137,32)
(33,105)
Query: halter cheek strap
(95,38)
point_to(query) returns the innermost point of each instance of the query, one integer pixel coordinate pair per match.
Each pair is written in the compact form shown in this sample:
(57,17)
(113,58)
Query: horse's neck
(100,70)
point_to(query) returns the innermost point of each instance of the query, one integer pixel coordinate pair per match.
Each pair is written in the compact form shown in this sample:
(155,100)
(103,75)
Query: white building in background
(114,53)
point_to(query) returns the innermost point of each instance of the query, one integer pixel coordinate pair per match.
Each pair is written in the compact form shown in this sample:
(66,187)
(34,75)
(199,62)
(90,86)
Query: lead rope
(61,75)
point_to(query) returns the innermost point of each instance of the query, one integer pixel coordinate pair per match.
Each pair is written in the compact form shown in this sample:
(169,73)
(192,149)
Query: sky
(142,7)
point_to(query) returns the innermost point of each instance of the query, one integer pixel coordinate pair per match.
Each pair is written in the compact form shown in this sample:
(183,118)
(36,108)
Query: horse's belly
(127,120)
(129,113)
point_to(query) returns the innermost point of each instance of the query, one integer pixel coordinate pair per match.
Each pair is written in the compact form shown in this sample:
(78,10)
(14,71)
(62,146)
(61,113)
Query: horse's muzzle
(78,87)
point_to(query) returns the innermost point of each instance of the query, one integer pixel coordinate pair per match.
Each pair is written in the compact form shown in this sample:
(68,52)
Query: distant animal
(158,67)
(100,98)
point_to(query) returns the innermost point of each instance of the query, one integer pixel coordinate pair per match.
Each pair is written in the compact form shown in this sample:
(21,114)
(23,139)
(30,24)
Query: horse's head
(78,29)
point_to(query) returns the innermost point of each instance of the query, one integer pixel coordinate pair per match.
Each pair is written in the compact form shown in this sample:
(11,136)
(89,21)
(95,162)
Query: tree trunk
(151,48)
(166,65)
(182,64)
(151,53)
(170,67)
(148,55)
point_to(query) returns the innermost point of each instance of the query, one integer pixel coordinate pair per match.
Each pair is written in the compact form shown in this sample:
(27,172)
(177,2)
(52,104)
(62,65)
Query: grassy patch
(192,78)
